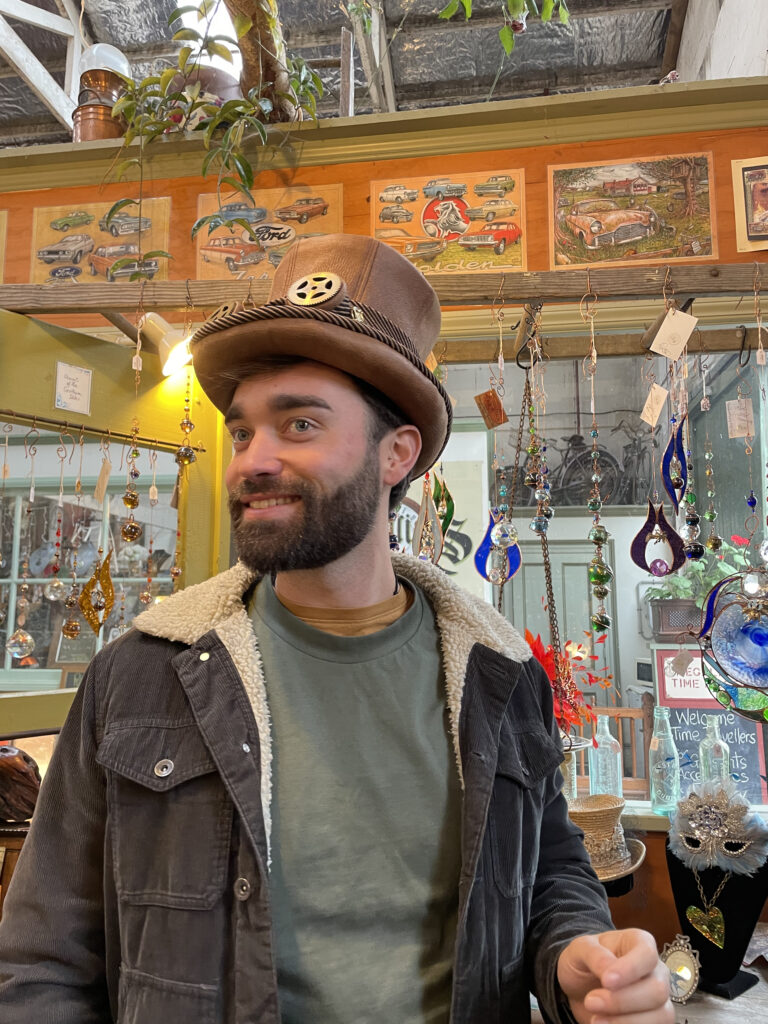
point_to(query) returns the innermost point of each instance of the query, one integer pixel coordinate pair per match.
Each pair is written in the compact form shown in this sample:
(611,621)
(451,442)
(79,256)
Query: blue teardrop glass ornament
(485,547)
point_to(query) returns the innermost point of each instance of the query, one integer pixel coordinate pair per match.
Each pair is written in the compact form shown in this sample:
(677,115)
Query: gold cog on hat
(227,309)
(321,289)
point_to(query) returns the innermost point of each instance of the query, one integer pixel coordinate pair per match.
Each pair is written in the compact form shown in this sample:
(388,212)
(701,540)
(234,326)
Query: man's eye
(239,435)
(301,426)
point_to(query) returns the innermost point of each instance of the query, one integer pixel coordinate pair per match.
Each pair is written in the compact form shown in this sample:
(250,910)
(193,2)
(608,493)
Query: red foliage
(569,705)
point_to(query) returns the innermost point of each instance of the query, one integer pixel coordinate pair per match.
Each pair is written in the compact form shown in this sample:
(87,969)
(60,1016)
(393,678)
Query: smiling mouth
(271,502)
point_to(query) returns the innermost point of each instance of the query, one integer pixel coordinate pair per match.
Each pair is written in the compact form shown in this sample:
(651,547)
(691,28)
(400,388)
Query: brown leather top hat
(349,302)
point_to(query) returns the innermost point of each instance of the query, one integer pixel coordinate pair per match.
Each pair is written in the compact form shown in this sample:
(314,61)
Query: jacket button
(204,656)
(163,768)
(242,889)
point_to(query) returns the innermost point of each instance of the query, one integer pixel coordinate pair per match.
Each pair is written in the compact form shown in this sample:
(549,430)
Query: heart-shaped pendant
(710,923)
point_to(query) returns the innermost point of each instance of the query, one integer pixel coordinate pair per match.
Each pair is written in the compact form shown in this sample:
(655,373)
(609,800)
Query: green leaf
(234,183)
(184,54)
(244,169)
(180,12)
(157,254)
(565,14)
(201,222)
(209,156)
(467,5)
(533,9)
(507,38)
(124,262)
(261,131)
(193,91)
(124,166)
(115,208)
(190,34)
(126,105)
(547,9)
(205,8)
(242,24)
(166,78)
(218,50)
(265,105)
(449,10)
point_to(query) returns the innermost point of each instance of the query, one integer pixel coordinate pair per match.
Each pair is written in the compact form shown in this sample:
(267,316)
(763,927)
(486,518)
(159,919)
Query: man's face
(304,481)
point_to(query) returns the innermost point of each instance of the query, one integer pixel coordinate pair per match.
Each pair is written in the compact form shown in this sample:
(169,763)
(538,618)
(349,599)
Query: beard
(325,528)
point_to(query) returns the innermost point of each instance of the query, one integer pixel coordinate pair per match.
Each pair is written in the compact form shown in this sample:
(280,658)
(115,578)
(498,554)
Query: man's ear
(399,451)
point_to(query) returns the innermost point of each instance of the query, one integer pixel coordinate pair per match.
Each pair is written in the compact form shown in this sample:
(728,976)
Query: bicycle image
(570,480)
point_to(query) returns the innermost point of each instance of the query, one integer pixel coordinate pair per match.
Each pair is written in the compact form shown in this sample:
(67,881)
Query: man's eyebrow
(281,403)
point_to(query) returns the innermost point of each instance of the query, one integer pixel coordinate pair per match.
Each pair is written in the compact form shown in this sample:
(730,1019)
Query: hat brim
(637,854)
(218,356)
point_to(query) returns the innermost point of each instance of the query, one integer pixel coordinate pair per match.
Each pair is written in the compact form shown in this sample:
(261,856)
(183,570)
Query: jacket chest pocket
(526,761)
(170,816)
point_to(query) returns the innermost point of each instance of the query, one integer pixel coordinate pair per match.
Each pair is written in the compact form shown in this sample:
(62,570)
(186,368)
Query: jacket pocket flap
(528,757)
(158,757)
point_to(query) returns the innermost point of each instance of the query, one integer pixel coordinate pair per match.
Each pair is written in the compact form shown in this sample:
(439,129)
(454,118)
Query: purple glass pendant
(656,528)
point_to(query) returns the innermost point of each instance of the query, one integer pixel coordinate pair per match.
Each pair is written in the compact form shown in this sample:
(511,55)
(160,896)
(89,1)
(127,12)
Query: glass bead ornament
(659,567)
(599,572)
(598,534)
(55,590)
(600,622)
(594,504)
(20,643)
(504,534)
(145,596)
(690,533)
(131,498)
(539,524)
(713,542)
(751,500)
(130,530)
(185,455)
(542,493)
(71,628)
(694,551)
(531,480)
(600,591)
(175,572)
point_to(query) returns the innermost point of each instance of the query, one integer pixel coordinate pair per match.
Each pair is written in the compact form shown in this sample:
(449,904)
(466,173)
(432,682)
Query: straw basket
(599,817)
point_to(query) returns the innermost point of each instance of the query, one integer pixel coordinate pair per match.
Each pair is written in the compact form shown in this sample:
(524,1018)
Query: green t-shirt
(366,819)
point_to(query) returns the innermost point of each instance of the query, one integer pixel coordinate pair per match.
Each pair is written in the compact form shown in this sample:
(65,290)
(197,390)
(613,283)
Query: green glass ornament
(598,534)
(594,504)
(599,572)
(710,515)
(690,498)
(600,622)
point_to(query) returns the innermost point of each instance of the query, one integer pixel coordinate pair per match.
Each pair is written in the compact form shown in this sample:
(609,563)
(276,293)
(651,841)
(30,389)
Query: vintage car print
(413,247)
(249,259)
(229,251)
(491,209)
(65,273)
(497,185)
(103,259)
(439,188)
(601,222)
(69,249)
(395,214)
(398,194)
(302,209)
(76,219)
(497,236)
(125,224)
(242,211)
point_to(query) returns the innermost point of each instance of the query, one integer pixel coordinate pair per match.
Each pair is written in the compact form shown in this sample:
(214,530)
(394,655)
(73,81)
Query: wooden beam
(347,62)
(674,36)
(72,70)
(573,347)
(374,54)
(37,16)
(35,75)
(550,286)
(381,49)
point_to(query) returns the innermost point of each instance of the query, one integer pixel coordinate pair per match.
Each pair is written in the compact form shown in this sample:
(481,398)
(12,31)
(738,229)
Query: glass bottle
(663,765)
(605,761)
(714,753)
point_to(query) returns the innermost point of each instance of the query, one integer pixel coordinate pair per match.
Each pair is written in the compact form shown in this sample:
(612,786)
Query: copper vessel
(92,121)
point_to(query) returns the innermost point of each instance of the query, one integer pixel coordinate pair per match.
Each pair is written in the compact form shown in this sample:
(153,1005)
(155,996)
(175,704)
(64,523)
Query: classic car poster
(3,235)
(750,200)
(277,216)
(463,223)
(75,242)
(659,208)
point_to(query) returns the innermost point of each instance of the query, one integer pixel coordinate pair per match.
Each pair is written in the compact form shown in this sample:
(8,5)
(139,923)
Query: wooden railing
(636,784)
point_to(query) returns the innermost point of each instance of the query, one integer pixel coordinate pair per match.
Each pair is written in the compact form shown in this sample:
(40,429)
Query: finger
(588,957)
(637,957)
(663,1015)
(643,996)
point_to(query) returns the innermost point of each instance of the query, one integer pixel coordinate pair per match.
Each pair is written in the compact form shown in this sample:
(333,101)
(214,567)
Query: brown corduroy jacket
(142,892)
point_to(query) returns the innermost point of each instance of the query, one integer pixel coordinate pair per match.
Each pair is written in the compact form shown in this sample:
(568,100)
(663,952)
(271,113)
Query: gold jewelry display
(97,597)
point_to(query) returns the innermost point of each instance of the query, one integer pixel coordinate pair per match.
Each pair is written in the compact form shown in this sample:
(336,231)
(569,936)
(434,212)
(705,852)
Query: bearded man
(323,786)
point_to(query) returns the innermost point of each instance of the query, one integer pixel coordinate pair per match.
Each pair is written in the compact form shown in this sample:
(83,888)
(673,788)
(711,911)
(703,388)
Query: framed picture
(657,208)
(71,655)
(750,201)
(72,677)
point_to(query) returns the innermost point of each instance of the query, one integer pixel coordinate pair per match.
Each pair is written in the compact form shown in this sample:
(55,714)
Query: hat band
(360,319)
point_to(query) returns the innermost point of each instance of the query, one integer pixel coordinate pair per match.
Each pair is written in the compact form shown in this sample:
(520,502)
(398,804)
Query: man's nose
(262,456)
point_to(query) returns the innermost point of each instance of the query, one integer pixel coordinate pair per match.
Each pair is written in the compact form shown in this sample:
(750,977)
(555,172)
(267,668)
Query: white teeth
(271,502)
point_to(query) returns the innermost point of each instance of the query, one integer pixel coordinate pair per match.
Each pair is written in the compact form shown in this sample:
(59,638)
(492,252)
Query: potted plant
(675,601)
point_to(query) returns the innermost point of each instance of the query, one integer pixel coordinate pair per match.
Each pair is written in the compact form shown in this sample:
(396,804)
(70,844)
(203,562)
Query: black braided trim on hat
(372,323)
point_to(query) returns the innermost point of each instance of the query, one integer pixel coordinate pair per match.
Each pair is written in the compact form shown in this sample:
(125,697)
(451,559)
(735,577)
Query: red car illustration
(601,222)
(497,236)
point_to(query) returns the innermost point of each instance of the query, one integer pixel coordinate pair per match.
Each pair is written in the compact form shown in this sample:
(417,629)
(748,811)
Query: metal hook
(61,450)
(30,449)
(742,331)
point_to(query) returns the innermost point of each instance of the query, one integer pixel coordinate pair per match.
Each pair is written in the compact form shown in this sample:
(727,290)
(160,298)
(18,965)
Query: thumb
(582,964)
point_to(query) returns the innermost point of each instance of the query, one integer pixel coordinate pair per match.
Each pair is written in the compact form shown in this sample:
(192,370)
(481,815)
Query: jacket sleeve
(568,899)
(52,961)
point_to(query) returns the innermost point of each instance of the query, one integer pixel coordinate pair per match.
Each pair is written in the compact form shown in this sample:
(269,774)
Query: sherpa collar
(462,620)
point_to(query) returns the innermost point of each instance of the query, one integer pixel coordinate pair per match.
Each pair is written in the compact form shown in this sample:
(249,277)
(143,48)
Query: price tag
(760,356)
(680,662)
(654,403)
(6,471)
(741,420)
(491,409)
(100,490)
(136,364)
(153,494)
(675,330)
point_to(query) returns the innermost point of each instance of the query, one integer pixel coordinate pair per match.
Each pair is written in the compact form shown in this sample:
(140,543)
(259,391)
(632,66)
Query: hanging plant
(514,15)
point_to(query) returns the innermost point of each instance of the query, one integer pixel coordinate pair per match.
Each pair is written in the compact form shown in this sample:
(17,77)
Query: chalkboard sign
(71,653)
(744,738)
